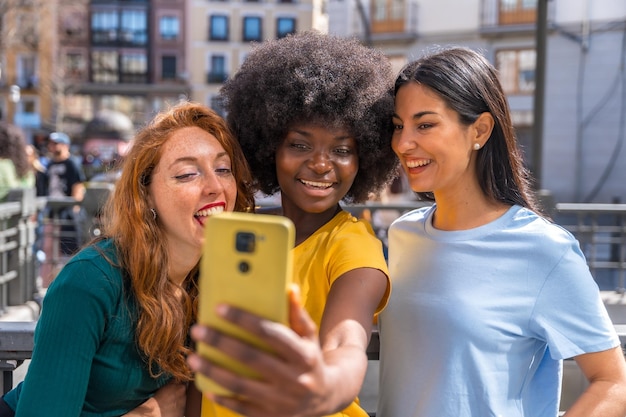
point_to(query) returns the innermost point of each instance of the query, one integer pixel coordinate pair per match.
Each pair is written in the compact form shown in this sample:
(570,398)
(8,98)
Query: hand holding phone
(246,262)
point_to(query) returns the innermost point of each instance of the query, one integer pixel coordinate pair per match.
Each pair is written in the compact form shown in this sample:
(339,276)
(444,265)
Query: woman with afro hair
(312,113)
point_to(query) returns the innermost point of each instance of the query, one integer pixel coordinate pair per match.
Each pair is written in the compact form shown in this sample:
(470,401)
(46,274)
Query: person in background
(14,166)
(113,332)
(38,170)
(66,179)
(489,295)
(313,115)
(40,143)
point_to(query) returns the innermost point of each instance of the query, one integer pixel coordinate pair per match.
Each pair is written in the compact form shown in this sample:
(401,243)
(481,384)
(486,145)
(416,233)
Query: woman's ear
(483,126)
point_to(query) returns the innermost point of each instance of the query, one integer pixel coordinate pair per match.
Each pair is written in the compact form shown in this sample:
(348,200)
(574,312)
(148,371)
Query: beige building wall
(27,39)
(201,50)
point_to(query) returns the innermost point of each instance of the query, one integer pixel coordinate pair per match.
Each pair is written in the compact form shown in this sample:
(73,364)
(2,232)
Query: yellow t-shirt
(341,245)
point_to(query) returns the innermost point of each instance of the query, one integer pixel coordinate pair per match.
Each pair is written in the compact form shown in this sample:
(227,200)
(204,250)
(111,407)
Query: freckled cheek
(230,191)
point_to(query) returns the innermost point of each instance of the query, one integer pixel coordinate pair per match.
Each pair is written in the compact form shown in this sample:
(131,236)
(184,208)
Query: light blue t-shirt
(479,320)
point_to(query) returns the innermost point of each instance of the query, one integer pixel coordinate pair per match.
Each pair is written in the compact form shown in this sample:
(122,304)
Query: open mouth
(418,163)
(317,185)
(208,211)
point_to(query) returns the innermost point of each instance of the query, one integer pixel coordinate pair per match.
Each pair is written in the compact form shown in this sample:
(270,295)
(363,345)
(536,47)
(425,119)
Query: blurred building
(582,146)
(25,63)
(72,58)
(63,61)
(221,33)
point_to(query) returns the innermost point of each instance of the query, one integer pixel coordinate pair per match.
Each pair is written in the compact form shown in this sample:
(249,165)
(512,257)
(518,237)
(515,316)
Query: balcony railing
(216,77)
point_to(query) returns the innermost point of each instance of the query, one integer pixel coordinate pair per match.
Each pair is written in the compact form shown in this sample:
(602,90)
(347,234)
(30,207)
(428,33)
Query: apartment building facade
(222,32)
(73,58)
(581,150)
(23,53)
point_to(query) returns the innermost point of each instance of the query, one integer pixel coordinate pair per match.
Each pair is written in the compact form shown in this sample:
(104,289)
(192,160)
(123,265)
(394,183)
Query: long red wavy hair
(164,315)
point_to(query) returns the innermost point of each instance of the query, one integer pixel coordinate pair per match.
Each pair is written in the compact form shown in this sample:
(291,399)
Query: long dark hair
(469,85)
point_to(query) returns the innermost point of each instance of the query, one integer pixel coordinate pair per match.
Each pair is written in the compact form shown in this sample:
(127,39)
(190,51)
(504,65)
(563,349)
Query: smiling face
(192,180)
(435,149)
(316,167)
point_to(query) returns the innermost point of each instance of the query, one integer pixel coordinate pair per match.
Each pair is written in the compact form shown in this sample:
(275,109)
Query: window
(217,73)
(104,26)
(168,67)
(79,106)
(517,11)
(28,105)
(73,23)
(104,66)
(169,28)
(134,68)
(285,26)
(252,29)
(511,5)
(26,71)
(218,28)
(387,16)
(75,65)
(134,28)
(516,70)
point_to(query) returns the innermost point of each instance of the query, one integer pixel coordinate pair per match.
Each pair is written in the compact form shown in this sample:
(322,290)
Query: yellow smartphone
(246,262)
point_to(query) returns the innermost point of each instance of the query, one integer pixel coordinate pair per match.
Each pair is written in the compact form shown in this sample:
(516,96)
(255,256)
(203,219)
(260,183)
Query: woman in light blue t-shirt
(489,296)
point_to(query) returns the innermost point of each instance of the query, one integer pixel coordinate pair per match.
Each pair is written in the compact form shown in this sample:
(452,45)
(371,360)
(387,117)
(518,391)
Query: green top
(10,180)
(85,361)
(8,177)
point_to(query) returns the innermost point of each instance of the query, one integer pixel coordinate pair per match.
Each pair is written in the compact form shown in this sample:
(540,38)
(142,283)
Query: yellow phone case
(246,262)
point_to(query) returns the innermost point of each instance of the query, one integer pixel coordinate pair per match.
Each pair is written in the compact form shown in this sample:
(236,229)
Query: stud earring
(154,215)
(476,146)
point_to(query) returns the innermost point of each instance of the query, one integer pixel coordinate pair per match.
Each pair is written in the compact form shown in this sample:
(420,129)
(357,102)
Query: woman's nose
(320,162)
(212,184)
(402,142)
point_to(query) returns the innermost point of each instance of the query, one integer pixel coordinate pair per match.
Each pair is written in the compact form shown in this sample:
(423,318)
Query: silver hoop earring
(476,146)
(154,215)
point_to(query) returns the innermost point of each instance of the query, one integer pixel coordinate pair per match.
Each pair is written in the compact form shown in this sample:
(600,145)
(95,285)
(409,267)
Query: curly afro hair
(314,78)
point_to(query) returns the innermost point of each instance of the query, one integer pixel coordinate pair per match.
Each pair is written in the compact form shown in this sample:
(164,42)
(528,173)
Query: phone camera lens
(245,242)
(244,266)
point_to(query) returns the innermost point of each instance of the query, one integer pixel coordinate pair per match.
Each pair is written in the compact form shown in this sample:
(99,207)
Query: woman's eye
(186,176)
(343,151)
(298,146)
(397,127)
(425,126)
(224,171)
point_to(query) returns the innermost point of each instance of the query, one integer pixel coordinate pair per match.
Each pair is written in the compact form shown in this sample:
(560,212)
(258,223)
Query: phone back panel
(246,262)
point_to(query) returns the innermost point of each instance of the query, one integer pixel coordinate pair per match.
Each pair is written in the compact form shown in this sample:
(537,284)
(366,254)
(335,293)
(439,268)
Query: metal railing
(600,229)
(18,223)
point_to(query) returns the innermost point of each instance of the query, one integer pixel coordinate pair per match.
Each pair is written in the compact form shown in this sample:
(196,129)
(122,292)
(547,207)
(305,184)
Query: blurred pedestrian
(15,169)
(66,179)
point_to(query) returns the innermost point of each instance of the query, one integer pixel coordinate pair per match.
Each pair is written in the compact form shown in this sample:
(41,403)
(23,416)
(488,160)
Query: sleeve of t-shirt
(569,313)
(68,333)
(75,174)
(356,246)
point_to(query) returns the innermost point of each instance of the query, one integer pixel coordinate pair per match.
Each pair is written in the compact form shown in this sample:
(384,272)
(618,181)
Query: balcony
(514,16)
(213,77)
(393,20)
